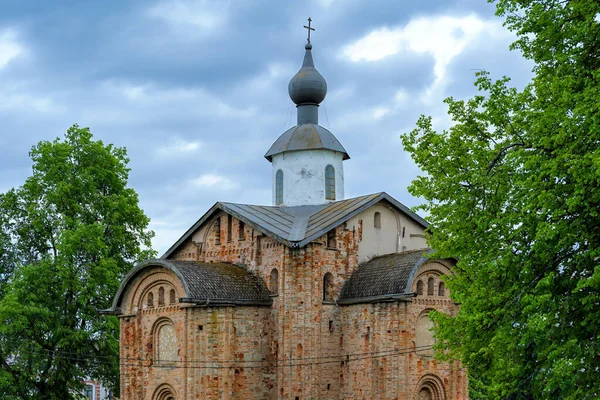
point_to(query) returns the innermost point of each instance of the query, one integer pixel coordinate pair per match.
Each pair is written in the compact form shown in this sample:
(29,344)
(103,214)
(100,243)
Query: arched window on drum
(279,187)
(329,182)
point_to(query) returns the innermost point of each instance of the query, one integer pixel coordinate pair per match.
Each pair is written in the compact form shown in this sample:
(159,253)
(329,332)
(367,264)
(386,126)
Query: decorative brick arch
(152,284)
(430,387)
(164,392)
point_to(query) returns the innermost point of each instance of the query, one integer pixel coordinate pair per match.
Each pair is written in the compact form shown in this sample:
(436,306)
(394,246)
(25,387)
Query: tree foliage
(68,236)
(513,192)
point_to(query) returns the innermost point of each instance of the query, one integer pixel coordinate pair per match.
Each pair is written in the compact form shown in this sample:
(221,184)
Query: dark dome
(308,86)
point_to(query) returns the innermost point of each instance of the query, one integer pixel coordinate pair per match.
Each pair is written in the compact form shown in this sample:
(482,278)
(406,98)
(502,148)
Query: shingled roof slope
(298,225)
(206,283)
(382,276)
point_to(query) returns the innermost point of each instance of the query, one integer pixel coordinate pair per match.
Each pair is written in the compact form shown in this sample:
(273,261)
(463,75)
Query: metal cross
(309,29)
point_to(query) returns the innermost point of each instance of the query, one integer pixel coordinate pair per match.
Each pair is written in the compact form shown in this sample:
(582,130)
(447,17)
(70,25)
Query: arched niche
(164,392)
(430,387)
(164,340)
(424,339)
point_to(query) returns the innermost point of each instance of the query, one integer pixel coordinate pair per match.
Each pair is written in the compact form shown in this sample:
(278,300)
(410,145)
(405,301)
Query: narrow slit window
(331,241)
(420,288)
(229,227)
(329,182)
(441,289)
(279,187)
(241,229)
(274,281)
(161,296)
(172,296)
(430,284)
(328,287)
(150,300)
(377,220)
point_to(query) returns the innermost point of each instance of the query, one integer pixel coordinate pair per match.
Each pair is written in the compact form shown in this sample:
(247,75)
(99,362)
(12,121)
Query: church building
(314,297)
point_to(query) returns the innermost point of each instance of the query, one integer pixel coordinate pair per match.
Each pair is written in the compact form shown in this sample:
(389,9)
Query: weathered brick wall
(207,340)
(383,337)
(323,351)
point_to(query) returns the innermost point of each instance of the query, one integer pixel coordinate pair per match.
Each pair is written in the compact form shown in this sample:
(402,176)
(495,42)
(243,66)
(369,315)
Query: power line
(84,356)
(265,363)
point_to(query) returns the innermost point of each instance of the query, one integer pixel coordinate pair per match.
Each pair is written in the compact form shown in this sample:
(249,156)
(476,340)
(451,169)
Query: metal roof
(306,137)
(298,225)
(388,276)
(206,283)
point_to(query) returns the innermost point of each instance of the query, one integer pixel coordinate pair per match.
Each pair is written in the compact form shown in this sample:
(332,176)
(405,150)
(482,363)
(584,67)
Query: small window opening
(274,281)
(88,392)
(329,182)
(200,327)
(330,326)
(150,300)
(229,226)
(241,229)
(331,240)
(328,287)
(161,296)
(430,284)
(172,296)
(403,231)
(441,289)
(218,231)
(328,386)
(420,288)
(279,187)
(377,220)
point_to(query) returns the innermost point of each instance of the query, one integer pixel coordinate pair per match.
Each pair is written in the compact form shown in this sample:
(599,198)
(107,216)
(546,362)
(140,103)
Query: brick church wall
(321,350)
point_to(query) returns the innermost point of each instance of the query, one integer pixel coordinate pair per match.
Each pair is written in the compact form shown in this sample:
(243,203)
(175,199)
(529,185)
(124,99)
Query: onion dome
(308,86)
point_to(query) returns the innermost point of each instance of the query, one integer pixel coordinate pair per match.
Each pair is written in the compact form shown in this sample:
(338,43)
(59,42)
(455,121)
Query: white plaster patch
(10,48)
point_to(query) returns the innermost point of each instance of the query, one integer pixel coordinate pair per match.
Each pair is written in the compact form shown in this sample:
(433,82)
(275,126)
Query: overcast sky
(197,90)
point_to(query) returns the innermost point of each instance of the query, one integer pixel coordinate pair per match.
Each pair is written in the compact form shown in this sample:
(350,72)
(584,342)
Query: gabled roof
(206,283)
(384,277)
(298,225)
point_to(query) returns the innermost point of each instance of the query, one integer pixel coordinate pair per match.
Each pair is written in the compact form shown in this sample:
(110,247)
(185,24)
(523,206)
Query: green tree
(513,192)
(68,236)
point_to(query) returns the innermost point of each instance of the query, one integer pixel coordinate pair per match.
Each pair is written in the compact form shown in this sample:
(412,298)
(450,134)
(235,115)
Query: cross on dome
(309,29)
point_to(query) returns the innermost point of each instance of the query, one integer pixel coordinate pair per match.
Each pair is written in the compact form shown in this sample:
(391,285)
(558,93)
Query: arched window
(331,240)
(329,182)
(274,281)
(88,392)
(430,284)
(161,296)
(241,229)
(377,220)
(172,296)
(420,288)
(229,227)
(165,342)
(150,302)
(424,335)
(441,289)
(328,287)
(279,187)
